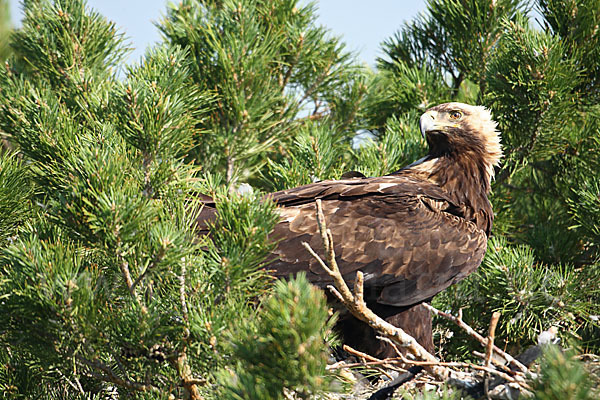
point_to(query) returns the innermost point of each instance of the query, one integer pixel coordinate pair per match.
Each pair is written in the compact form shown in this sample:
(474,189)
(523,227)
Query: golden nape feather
(412,233)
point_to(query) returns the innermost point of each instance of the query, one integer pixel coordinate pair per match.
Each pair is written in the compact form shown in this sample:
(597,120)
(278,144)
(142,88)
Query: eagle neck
(464,176)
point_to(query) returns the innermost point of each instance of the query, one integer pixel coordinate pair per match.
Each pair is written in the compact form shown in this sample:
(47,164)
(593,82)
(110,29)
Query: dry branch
(518,379)
(471,332)
(489,349)
(368,361)
(108,375)
(490,338)
(357,306)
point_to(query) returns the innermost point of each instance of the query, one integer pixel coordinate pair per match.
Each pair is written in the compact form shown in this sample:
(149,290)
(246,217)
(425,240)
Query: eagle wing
(403,233)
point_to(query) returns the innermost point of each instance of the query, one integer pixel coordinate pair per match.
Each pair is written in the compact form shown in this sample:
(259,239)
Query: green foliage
(399,146)
(284,349)
(5,29)
(575,23)
(104,282)
(528,75)
(68,48)
(472,29)
(412,89)
(105,286)
(159,120)
(585,208)
(440,56)
(530,296)
(239,240)
(43,321)
(318,153)
(562,377)
(262,87)
(547,127)
(15,193)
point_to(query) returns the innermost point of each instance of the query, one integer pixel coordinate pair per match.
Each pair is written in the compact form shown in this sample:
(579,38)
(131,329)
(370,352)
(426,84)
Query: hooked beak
(427,123)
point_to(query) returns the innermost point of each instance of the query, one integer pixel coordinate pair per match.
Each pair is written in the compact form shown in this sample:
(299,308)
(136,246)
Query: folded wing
(404,234)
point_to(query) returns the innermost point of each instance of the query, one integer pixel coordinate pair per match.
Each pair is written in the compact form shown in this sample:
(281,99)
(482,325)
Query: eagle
(412,233)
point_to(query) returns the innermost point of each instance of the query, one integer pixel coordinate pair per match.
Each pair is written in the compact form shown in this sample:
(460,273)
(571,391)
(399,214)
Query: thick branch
(188,382)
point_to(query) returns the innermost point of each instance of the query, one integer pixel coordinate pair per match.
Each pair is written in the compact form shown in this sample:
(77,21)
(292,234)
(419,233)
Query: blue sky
(362,24)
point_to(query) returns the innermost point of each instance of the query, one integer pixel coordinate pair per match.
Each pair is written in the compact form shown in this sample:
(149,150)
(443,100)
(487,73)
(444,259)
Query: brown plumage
(412,233)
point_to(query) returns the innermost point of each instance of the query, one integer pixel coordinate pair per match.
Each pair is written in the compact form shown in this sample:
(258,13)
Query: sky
(362,24)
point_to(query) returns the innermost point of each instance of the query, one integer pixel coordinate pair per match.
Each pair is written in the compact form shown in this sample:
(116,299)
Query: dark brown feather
(405,234)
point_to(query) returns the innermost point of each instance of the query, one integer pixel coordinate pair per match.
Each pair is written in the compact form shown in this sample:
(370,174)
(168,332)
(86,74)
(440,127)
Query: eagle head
(457,128)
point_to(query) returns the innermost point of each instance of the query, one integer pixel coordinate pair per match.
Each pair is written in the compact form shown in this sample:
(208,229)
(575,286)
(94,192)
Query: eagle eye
(456,115)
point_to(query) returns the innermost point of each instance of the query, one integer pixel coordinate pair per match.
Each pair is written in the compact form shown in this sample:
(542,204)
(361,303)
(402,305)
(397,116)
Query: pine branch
(155,261)
(124,267)
(108,375)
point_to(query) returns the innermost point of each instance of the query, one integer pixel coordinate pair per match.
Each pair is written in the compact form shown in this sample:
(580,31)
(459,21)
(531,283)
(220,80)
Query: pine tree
(5,29)
(105,287)
(271,69)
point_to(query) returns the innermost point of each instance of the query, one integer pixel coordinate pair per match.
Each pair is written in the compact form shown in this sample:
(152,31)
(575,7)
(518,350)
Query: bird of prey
(412,233)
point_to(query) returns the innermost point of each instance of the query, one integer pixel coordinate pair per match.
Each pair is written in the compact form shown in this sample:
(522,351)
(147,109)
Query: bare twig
(519,379)
(109,375)
(181,363)
(383,363)
(360,354)
(496,363)
(396,349)
(182,299)
(471,332)
(157,259)
(230,169)
(368,360)
(184,371)
(76,387)
(357,306)
(124,266)
(490,338)
(489,349)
